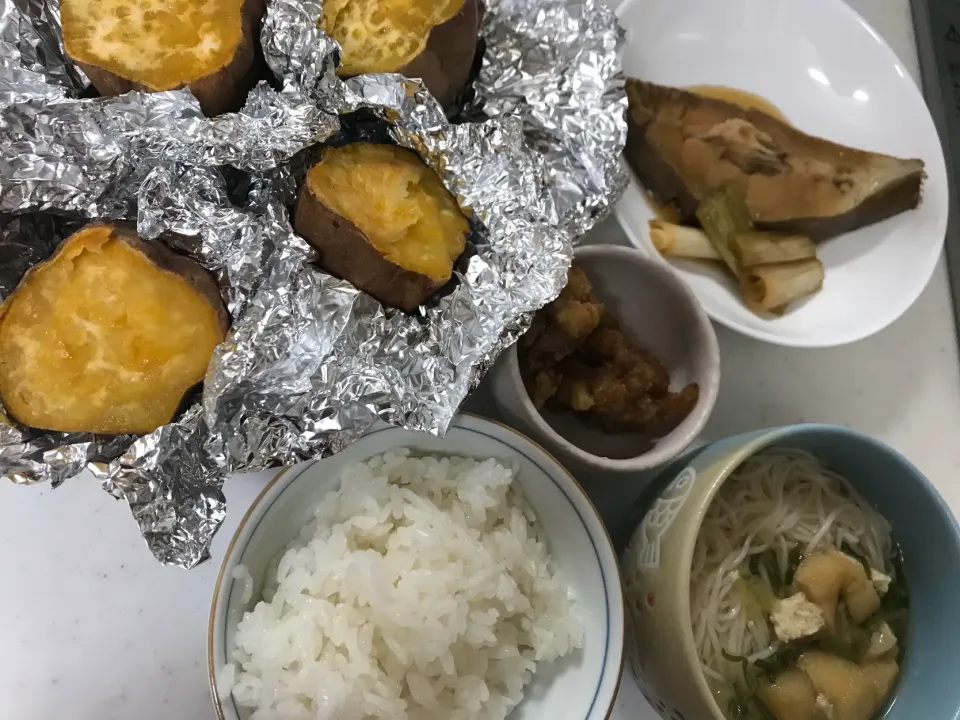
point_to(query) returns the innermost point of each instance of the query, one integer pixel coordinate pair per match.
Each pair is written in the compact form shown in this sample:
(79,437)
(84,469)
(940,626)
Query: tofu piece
(826,576)
(796,617)
(882,642)
(791,696)
(881,581)
(825,707)
(850,691)
(882,675)
(820,577)
(861,596)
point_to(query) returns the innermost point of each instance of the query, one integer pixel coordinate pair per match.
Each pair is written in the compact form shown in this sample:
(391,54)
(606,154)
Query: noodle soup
(797,601)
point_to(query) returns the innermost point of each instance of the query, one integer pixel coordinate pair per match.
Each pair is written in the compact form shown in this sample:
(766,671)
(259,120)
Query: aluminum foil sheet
(32,60)
(315,362)
(556,65)
(35,72)
(170,480)
(310,362)
(149,158)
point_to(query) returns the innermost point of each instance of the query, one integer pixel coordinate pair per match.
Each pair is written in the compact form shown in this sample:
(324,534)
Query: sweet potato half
(108,335)
(208,46)
(381,219)
(435,40)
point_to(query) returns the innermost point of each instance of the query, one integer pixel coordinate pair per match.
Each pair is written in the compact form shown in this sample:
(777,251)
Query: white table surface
(91,627)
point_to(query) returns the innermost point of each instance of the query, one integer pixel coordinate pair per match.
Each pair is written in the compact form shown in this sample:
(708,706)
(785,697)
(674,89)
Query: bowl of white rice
(415,577)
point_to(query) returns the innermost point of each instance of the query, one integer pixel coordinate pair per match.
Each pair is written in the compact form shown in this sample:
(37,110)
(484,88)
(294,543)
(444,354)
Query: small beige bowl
(657,311)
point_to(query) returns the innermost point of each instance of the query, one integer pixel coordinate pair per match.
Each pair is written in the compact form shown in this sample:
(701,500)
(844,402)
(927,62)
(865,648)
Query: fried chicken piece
(621,397)
(544,385)
(658,416)
(641,372)
(576,356)
(568,321)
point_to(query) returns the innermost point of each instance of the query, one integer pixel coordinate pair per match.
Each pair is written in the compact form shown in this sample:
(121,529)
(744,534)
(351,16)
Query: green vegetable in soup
(850,643)
(765,565)
(895,606)
(755,594)
(783,659)
(848,549)
(794,558)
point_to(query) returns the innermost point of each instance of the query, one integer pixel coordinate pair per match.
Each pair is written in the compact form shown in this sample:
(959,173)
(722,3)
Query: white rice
(242,575)
(421,590)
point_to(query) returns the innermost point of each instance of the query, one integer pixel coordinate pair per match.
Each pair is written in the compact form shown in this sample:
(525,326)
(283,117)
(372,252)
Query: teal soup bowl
(656,567)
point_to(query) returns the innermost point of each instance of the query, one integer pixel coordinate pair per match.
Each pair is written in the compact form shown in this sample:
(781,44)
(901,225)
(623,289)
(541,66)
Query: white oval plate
(833,76)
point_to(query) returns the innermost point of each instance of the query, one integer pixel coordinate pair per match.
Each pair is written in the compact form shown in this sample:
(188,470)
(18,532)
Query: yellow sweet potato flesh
(397,201)
(161,44)
(100,339)
(383,35)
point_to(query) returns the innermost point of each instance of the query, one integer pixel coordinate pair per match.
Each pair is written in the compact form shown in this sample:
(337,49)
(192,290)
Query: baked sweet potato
(434,40)
(208,46)
(381,219)
(108,335)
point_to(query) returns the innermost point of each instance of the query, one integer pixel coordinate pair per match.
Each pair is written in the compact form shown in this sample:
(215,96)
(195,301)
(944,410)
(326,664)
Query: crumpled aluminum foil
(556,65)
(287,396)
(310,362)
(35,72)
(32,60)
(109,158)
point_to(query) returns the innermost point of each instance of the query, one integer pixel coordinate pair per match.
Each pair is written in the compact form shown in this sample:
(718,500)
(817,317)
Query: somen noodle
(779,504)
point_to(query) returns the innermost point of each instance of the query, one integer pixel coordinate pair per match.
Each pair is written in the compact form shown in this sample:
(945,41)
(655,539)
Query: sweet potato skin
(446,61)
(222,91)
(346,253)
(159,256)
